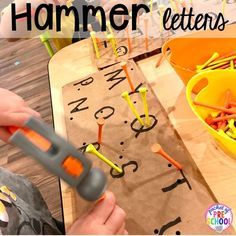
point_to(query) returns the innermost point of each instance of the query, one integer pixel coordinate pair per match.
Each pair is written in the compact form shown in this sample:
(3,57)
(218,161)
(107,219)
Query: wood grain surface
(23,70)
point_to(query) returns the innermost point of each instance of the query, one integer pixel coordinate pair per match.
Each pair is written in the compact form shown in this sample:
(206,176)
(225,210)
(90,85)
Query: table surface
(218,169)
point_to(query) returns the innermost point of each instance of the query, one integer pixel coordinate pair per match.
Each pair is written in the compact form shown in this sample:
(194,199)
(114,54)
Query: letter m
(114,77)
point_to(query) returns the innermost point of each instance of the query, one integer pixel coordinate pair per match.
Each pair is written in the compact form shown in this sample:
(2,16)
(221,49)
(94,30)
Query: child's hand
(105,218)
(13,112)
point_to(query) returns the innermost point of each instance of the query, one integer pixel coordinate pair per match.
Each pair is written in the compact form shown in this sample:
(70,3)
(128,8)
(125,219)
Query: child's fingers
(14,119)
(4,134)
(103,209)
(25,109)
(116,219)
(31,111)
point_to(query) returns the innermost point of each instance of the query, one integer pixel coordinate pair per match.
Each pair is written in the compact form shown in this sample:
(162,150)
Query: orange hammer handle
(35,138)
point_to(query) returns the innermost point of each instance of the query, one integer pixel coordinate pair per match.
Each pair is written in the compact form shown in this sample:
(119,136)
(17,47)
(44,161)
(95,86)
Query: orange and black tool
(60,158)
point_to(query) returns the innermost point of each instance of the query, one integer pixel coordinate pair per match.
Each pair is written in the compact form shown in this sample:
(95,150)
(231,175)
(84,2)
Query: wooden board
(23,70)
(156,196)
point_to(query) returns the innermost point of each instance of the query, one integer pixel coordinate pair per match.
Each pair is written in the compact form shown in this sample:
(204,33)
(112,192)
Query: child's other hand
(13,112)
(106,218)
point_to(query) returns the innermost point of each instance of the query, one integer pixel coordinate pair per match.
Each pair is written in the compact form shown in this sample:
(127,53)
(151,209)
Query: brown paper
(153,193)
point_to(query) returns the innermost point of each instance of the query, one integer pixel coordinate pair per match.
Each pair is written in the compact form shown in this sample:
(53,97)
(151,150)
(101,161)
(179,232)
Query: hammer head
(60,157)
(93,186)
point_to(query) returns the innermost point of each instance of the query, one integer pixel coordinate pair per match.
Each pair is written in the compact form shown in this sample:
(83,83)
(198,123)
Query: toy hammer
(60,158)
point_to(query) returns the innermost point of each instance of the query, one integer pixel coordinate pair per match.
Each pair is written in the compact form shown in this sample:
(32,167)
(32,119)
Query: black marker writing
(132,163)
(177,183)
(105,112)
(121,51)
(104,43)
(79,103)
(167,226)
(115,78)
(143,129)
(83,149)
(136,89)
(85,82)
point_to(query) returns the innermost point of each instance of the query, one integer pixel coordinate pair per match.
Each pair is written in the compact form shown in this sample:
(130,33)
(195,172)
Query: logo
(219,217)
